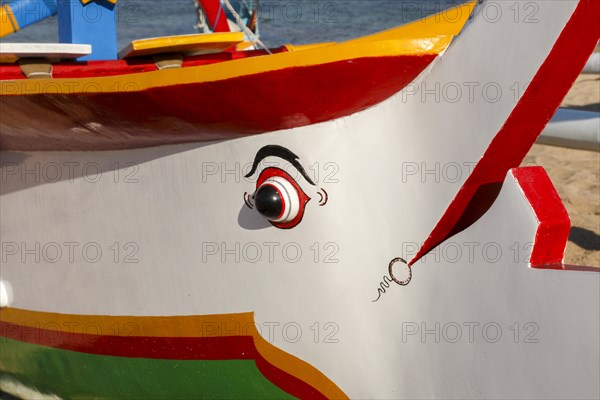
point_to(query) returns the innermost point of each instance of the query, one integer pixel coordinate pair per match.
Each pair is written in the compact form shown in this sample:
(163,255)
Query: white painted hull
(164,231)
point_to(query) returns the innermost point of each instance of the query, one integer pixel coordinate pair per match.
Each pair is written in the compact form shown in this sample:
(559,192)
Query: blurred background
(281,21)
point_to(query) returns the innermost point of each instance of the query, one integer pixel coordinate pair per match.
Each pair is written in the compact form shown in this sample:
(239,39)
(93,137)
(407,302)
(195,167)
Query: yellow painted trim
(186,326)
(243,46)
(430,36)
(8,23)
(299,369)
(214,42)
(448,22)
(84,2)
(218,325)
(301,47)
(230,69)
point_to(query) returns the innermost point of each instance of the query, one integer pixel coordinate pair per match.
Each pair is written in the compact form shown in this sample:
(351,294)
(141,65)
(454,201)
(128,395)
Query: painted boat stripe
(235,68)
(103,377)
(447,22)
(533,111)
(208,337)
(186,326)
(317,94)
(428,36)
(554,222)
(300,369)
(295,385)
(167,348)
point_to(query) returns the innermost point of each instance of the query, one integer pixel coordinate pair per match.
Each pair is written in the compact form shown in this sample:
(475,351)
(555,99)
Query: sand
(576,176)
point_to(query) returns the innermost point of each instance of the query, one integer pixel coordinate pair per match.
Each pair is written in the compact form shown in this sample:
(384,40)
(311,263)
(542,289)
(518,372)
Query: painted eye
(279,198)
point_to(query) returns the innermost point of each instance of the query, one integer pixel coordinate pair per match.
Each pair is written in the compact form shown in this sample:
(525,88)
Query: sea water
(280,21)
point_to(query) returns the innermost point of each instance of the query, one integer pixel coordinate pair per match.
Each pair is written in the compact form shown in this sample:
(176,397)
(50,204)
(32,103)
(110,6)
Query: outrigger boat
(193,219)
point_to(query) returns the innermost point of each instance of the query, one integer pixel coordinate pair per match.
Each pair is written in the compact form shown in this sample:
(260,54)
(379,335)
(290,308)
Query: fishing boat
(203,217)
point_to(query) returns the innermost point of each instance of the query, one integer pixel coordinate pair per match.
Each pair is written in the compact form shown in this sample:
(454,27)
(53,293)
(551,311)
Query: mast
(213,16)
(216,15)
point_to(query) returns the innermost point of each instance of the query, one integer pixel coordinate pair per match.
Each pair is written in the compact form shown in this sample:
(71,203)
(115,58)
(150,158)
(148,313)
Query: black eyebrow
(283,153)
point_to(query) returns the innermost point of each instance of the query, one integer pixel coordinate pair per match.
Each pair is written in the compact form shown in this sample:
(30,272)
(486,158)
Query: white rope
(253,38)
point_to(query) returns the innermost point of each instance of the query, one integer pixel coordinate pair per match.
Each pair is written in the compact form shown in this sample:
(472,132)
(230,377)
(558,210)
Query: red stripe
(287,382)
(226,109)
(166,348)
(538,104)
(78,69)
(554,223)
(163,348)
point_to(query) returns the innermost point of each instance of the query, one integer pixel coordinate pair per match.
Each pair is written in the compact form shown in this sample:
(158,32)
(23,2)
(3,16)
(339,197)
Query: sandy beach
(576,176)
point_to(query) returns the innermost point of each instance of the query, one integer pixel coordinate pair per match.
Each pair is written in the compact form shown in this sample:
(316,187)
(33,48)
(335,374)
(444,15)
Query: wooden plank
(195,43)
(10,52)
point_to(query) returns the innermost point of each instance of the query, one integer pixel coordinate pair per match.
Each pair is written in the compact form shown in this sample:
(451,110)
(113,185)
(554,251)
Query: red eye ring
(273,172)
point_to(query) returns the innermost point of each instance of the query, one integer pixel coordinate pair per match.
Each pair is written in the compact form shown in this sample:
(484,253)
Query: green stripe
(70,374)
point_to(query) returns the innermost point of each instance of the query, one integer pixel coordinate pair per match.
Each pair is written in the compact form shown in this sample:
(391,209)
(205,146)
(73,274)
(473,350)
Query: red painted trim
(287,382)
(77,69)
(537,106)
(210,111)
(163,348)
(554,224)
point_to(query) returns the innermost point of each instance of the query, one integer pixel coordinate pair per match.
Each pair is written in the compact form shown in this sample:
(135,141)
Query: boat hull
(166,237)
(198,112)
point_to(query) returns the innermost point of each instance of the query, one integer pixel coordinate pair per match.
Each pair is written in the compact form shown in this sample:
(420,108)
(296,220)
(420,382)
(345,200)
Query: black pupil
(268,202)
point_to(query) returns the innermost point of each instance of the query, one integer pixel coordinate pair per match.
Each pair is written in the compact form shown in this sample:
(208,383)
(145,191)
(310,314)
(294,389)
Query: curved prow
(16,15)
(485,101)
(448,22)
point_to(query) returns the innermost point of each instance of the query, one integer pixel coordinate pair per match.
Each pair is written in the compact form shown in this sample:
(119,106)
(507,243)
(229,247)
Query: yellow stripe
(243,46)
(8,23)
(218,325)
(449,22)
(230,69)
(302,47)
(300,369)
(172,326)
(429,36)
(89,1)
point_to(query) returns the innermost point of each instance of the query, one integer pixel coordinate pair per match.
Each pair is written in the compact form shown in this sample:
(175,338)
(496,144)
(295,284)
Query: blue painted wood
(94,23)
(29,12)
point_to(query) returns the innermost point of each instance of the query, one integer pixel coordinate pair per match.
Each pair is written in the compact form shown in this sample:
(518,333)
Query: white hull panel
(165,231)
